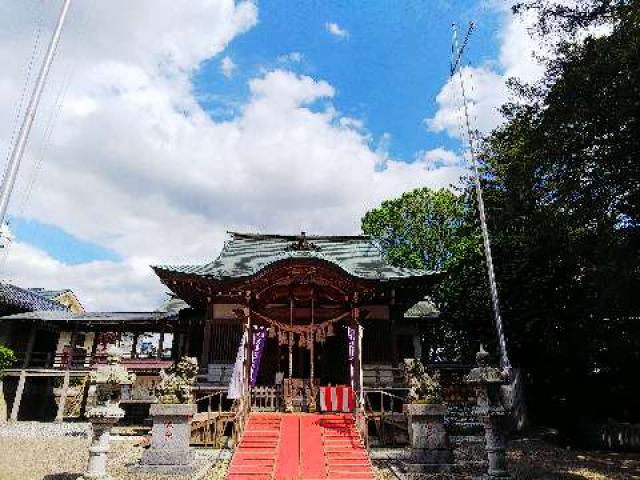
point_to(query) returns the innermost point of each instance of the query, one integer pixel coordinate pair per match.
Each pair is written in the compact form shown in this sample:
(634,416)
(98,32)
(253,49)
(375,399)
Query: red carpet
(300,446)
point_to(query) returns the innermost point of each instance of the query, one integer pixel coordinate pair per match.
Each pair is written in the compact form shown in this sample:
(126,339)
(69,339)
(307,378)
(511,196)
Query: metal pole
(455,66)
(13,165)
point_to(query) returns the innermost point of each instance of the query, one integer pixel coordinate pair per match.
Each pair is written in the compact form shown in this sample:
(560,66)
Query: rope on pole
(456,61)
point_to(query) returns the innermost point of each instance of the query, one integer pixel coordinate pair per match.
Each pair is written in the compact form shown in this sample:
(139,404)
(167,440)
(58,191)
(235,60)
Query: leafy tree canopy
(561,179)
(7,358)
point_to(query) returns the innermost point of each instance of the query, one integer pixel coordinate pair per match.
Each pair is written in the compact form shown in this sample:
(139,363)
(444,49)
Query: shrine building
(287,313)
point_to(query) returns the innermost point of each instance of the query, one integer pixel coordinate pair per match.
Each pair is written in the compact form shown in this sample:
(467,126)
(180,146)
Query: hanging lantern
(330,332)
(310,341)
(319,335)
(292,339)
(272,332)
(303,341)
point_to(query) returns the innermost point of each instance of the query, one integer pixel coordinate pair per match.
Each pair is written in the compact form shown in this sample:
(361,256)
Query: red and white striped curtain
(337,399)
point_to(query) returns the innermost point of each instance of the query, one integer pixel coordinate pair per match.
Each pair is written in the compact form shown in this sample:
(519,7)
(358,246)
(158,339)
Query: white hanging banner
(236,384)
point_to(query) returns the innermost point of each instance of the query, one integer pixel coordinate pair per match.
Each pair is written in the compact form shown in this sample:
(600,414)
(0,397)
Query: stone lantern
(488,382)
(108,380)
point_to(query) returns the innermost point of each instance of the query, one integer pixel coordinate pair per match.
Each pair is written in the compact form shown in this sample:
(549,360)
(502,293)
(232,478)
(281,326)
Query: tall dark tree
(562,188)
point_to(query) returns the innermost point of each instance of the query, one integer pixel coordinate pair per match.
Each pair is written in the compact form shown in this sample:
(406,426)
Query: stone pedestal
(430,450)
(488,382)
(169,451)
(101,426)
(108,380)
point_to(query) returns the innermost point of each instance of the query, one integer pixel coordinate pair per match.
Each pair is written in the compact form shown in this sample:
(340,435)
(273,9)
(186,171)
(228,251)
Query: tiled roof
(109,317)
(246,254)
(48,294)
(172,304)
(26,299)
(423,309)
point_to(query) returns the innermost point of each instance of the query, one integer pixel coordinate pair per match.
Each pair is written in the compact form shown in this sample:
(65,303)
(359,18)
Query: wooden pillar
(176,344)
(72,341)
(248,351)
(187,339)
(360,376)
(30,342)
(291,337)
(15,408)
(86,386)
(395,355)
(312,346)
(5,329)
(161,343)
(63,397)
(206,343)
(417,346)
(134,345)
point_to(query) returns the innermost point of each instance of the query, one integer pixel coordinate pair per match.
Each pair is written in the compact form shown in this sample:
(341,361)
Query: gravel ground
(46,451)
(37,451)
(538,460)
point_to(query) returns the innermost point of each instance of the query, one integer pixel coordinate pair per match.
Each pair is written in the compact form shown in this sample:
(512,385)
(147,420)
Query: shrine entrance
(331,360)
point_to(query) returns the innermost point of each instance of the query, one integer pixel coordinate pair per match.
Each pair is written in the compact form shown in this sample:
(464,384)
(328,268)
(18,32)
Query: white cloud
(128,285)
(485,85)
(440,157)
(227,66)
(336,30)
(137,166)
(293,57)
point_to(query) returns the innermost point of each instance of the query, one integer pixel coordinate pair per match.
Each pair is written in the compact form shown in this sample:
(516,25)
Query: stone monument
(169,451)
(430,449)
(108,380)
(488,382)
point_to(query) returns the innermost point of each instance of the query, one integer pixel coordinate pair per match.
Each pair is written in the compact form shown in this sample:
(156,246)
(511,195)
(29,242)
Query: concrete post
(18,398)
(63,397)
(97,464)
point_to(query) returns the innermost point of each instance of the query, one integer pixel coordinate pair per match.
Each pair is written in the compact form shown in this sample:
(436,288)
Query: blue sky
(187,118)
(387,70)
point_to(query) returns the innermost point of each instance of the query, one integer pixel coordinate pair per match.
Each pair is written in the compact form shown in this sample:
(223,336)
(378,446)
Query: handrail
(379,416)
(242,408)
(67,360)
(367,391)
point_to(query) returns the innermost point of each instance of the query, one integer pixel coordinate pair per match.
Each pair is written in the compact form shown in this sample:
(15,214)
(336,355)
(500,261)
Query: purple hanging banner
(351,335)
(259,341)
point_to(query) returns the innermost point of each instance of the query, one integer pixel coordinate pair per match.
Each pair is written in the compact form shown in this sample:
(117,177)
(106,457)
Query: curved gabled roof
(245,255)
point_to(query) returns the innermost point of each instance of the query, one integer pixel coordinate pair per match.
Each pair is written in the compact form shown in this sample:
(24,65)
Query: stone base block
(410,467)
(430,456)
(163,469)
(500,476)
(167,456)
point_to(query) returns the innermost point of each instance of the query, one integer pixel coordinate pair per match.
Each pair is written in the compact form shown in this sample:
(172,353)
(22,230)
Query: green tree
(7,358)
(561,179)
(421,229)
(562,184)
(437,230)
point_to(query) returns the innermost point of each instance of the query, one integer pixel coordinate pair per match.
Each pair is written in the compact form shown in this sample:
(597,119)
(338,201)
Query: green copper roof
(244,255)
(423,309)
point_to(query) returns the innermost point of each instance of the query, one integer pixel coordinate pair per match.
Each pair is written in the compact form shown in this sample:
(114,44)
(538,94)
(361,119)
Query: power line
(13,165)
